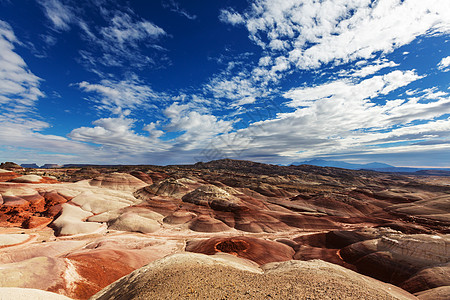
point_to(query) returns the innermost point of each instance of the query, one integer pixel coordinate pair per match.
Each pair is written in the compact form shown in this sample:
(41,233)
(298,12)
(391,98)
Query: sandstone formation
(205,223)
(118,181)
(142,176)
(168,187)
(34,179)
(6,175)
(213,197)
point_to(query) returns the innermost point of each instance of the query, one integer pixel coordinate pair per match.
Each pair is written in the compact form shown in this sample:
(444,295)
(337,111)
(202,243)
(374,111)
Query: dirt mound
(197,276)
(118,181)
(169,187)
(207,224)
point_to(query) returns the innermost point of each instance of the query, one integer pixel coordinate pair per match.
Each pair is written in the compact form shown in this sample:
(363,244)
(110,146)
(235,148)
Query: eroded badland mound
(251,231)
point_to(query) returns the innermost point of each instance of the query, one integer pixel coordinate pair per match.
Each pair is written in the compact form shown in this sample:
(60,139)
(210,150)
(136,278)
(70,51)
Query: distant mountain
(345,165)
(375,166)
(50,166)
(32,166)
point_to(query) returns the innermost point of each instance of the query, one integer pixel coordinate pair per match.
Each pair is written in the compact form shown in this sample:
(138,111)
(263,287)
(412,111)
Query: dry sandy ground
(223,276)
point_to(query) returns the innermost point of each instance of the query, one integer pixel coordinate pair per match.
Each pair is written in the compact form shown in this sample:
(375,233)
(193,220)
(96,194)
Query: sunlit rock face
(91,226)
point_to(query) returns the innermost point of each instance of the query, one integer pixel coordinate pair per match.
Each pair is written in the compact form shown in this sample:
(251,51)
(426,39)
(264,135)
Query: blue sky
(276,81)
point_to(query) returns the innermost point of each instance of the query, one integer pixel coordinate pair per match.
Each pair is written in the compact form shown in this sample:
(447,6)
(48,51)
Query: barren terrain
(259,231)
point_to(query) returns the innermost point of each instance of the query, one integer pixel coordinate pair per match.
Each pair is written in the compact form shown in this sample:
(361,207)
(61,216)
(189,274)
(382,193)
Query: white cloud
(347,91)
(19,87)
(175,7)
(370,69)
(340,117)
(444,64)
(122,42)
(197,128)
(116,134)
(59,14)
(231,17)
(311,33)
(124,30)
(122,97)
(240,89)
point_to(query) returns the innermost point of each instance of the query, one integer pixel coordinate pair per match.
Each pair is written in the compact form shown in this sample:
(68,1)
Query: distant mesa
(45,166)
(30,166)
(50,166)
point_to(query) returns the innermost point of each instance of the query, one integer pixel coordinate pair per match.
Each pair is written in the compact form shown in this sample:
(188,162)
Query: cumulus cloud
(444,64)
(240,89)
(118,136)
(230,17)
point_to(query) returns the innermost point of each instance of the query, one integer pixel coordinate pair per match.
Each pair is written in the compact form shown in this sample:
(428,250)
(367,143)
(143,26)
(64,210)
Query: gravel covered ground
(190,276)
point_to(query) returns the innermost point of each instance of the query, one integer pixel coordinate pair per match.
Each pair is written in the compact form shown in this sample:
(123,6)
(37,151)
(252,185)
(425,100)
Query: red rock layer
(30,211)
(7,176)
(258,250)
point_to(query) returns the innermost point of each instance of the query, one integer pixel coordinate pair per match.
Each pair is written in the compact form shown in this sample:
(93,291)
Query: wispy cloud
(58,13)
(123,30)
(19,87)
(121,41)
(348,91)
(176,8)
(122,97)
